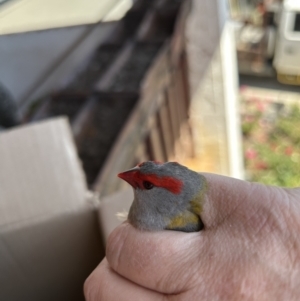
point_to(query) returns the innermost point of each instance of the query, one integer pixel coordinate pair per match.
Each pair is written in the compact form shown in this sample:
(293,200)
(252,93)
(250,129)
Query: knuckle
(87,289)
(91,289)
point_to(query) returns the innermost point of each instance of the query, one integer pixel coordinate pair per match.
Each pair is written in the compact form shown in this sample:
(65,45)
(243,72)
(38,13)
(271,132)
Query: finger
(226,197)
(105,284)
(164,261)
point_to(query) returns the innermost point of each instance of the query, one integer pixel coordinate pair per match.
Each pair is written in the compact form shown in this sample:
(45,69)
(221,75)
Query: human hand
(249,250)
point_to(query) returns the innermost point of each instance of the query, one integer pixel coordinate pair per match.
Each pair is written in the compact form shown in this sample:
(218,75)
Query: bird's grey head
(161,191)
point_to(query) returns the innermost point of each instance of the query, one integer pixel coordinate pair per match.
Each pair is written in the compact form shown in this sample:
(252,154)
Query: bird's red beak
(129,176)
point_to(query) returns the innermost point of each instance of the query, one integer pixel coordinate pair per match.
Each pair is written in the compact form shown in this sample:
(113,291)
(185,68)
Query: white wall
(214,84)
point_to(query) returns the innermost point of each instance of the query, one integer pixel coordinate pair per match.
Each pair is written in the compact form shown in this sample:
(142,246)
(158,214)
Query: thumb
(227,197)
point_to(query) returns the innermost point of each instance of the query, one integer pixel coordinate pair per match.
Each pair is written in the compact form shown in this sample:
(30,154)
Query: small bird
(167,196)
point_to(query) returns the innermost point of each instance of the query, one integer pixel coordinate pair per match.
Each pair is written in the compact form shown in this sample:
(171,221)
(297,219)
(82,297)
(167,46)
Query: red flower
(250,154)
(261,165)
(289,150)
(261,106)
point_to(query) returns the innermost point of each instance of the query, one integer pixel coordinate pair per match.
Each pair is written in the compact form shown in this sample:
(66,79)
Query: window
(297,22)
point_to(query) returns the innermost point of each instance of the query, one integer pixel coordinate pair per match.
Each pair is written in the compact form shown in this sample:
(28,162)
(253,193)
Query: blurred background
(228,95)
(267,41)
(211,84)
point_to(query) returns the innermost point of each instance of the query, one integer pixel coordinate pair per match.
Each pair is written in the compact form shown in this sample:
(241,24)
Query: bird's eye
(147,185)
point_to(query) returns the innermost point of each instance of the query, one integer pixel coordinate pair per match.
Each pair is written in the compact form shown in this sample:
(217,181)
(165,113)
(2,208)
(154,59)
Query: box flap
(50,260)
(40,173)
(49,234)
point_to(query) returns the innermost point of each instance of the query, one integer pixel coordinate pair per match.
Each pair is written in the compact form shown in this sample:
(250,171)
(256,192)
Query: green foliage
(279,168)
(289,126)
(272,145)
(250,124)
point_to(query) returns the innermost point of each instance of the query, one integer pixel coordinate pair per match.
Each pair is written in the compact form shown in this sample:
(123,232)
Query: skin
(249,250)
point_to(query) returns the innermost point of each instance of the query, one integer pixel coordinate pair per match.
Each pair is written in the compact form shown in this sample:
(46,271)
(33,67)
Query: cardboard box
(50,239)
